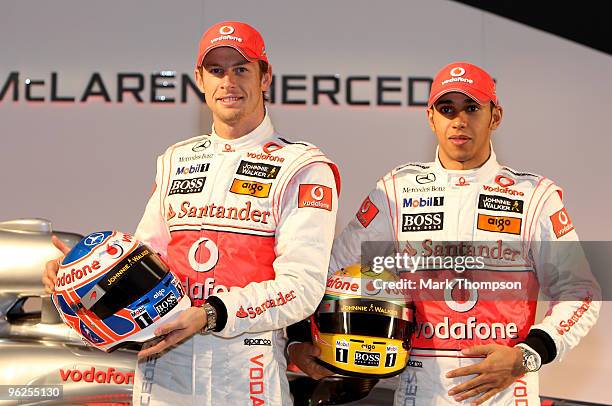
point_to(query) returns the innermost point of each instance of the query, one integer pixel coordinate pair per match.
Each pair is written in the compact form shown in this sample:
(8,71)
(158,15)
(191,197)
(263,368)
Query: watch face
(531,363)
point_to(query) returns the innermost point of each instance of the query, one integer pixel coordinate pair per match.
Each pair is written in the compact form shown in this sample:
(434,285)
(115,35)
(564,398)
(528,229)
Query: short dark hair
(263,68)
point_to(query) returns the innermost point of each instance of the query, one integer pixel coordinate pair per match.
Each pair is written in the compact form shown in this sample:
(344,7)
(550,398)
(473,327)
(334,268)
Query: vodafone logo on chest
(203,255)
(504,181)
(503,186)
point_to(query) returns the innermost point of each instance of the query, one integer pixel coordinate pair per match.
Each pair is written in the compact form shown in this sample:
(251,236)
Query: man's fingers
(305,357)
(475,391)
(488,395)
(317,371)
(463,371)
(59,244)
(315,351)
(468,385)
(168,328)
(49,277)
(160,346)
(166,342)
(47,283)
(477,350)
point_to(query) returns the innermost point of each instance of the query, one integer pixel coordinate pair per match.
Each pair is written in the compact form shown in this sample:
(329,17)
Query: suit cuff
(541,343)
(221,312)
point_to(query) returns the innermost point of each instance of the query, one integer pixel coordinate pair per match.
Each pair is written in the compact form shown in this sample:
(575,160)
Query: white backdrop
(90,166)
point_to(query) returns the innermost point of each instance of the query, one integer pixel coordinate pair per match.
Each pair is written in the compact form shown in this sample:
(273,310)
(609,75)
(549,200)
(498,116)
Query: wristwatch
(531,359)
(211,318)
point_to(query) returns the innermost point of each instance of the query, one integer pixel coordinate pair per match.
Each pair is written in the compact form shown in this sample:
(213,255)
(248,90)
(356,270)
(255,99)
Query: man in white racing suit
(469,349)
(246,220)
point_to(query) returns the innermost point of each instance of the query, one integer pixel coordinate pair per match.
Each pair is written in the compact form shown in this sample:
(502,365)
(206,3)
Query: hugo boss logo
(423,222)
(187,186)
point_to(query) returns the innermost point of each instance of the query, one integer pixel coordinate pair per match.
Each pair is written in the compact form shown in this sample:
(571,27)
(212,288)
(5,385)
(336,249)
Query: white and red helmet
(113,290)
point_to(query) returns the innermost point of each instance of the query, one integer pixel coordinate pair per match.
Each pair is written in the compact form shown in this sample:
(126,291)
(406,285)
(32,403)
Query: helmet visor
(127,282)
(361,317)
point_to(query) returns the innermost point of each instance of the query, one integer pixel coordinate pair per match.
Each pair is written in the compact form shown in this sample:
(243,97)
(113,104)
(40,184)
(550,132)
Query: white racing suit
(494,206)
(247,225)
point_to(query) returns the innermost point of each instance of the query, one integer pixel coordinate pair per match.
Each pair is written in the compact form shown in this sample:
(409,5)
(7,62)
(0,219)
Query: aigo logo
(250,188)
(500,224)
(203,255)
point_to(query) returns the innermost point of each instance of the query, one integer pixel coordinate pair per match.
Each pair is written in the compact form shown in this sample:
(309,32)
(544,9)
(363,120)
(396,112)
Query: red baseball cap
(465,78)
(238,35)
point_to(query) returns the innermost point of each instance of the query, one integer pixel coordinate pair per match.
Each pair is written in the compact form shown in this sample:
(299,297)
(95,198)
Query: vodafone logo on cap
(457,71)
(226,30)
(203,255)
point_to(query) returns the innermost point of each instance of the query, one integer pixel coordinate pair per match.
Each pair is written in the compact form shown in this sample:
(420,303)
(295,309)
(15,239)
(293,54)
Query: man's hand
(186,324)
(49,277)
(501,367)
(303,355)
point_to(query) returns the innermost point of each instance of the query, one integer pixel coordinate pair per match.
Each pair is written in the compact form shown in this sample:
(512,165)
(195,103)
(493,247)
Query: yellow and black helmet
(363,325)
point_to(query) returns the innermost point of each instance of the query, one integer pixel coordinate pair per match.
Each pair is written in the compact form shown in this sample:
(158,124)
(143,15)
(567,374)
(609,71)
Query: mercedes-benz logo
(94,239)
(426,178)
(201,146)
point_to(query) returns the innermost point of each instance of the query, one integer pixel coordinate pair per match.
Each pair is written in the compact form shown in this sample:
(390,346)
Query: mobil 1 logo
(391,357)
(166,304)
(142,317)
(367,359)
(423,221)
(342,351)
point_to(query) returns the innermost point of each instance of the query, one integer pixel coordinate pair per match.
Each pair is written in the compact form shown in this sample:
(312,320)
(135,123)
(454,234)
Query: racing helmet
(364,324)
(113,290)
